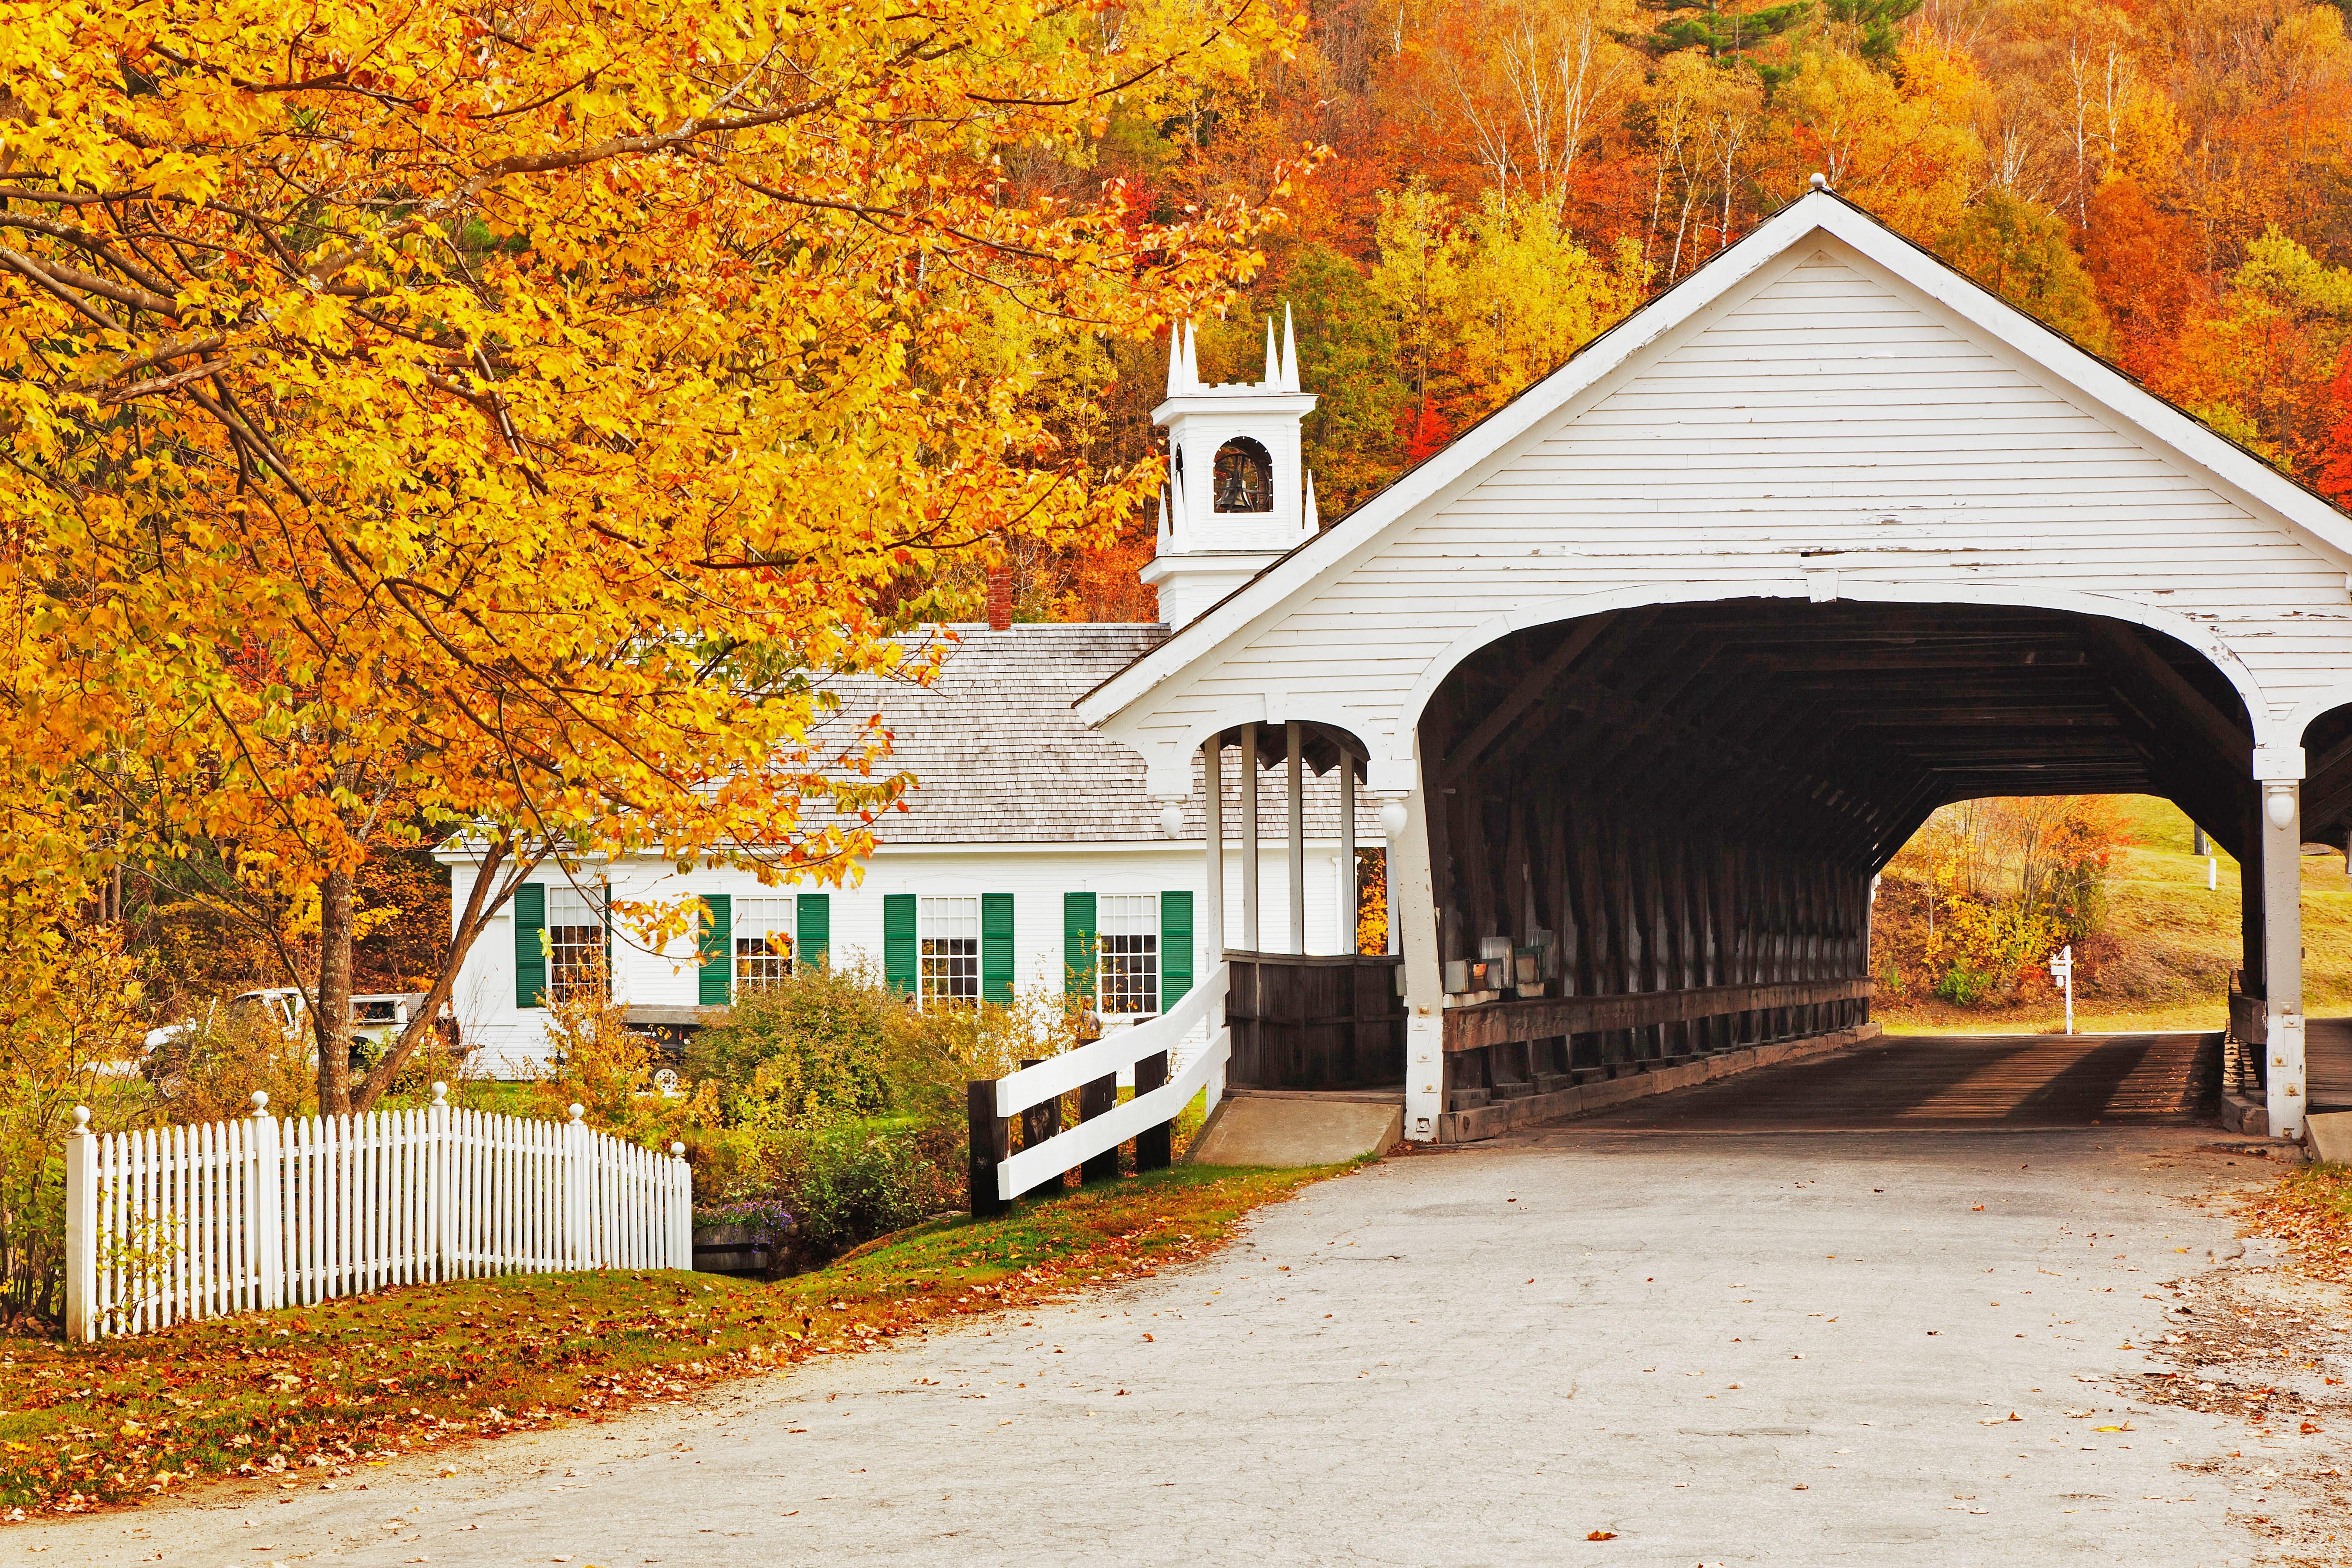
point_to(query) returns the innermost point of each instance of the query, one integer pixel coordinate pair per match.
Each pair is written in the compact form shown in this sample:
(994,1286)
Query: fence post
(1039,1123)
(1100,1098)
(1154,1146)
(576,1192)
(681,1209)
(81,1228)
(269,1200)
(437,1204)
(990,1140)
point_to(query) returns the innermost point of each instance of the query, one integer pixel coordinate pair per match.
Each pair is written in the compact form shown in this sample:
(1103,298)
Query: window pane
(1128,973)
(574,954)
(949,932)
(763,941)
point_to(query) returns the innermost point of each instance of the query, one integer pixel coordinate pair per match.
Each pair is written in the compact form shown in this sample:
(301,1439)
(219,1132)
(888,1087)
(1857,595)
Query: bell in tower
(1237,496)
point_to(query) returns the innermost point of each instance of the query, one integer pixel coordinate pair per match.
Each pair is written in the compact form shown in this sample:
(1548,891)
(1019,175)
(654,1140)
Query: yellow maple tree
(510,418)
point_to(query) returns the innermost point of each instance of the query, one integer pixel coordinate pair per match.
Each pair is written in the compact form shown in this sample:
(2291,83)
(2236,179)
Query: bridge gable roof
(1882,302)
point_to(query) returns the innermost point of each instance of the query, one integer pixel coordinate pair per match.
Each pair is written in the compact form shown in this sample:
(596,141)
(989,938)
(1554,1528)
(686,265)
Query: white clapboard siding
(1819,398)
(168,1224)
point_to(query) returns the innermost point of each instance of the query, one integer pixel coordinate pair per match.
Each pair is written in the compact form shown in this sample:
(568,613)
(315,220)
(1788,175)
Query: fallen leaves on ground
(324,1390)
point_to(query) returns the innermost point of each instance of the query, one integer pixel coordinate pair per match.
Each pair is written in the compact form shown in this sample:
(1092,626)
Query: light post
(2061,970)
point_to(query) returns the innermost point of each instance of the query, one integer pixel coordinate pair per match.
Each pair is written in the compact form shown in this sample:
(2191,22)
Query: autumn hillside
(1471,190)
(2163,956)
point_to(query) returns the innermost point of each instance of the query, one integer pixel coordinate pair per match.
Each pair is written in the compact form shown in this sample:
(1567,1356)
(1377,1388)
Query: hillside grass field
(2165,958)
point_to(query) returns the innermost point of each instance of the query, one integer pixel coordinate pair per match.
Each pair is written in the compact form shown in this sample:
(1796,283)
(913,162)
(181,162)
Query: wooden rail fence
(164,1224)
(1091,1146)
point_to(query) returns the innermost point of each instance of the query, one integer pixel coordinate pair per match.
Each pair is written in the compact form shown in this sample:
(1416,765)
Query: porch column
(1249,839)
(2282,895)
(1296,785)
(1412,916)
(1213,907)
(1347,895)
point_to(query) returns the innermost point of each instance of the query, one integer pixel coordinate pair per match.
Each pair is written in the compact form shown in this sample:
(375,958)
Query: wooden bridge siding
(1315,1022)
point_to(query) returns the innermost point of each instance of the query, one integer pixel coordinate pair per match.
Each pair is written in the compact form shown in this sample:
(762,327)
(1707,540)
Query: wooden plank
(1097,1098)
(989,1138)
(1536,685)
(1533,1018)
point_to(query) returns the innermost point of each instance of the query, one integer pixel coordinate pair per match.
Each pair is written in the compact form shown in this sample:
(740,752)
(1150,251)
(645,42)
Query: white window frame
(758,959)
(575,940)
(947,950)
(1127,954)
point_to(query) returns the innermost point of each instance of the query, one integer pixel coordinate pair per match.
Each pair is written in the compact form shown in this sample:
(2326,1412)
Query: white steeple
(1237,497)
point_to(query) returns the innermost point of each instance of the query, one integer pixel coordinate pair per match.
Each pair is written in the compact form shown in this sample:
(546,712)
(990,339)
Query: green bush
(816,1048)
(860,1183)
(844,1105)
(1963,986)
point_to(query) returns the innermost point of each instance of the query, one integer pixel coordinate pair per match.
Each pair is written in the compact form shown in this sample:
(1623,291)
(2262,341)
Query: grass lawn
(308,1394)
(2178,943)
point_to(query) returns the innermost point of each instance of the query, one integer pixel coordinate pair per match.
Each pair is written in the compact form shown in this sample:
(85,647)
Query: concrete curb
(1491,1121)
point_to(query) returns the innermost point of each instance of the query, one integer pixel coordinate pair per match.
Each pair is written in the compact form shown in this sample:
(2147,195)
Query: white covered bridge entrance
(1652,670)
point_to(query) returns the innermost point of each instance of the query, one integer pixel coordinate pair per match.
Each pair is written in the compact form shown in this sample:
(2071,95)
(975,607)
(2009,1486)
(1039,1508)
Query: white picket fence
(166,1224)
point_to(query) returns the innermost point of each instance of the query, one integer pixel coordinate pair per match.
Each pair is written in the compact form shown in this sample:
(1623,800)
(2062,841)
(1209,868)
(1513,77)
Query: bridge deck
(1961,1081)
(2327,1062)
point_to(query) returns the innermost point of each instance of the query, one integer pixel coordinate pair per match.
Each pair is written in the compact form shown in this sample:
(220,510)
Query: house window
(1128,973)
(1243,477)
(764,942)
(949,932)
(575,943)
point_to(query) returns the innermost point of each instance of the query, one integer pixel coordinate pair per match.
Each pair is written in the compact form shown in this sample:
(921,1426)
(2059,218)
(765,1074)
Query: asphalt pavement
(1577,1345)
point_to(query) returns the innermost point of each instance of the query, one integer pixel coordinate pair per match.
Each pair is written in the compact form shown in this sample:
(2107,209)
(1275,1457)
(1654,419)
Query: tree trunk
(481,903)
(330,1018)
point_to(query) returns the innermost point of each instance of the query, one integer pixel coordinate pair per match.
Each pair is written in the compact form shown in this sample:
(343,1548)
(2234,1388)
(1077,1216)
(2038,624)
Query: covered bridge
(1651,672)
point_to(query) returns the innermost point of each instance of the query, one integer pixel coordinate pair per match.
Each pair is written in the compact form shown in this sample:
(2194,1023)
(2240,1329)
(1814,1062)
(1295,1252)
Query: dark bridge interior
(1655,830)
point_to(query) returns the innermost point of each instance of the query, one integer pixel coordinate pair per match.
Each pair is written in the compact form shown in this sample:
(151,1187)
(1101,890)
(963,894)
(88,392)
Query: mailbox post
(2061,970)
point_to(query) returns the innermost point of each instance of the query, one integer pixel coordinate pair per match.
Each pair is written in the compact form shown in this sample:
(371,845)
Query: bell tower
(1237,497)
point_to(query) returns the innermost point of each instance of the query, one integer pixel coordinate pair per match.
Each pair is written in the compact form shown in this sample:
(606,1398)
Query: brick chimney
(1000,598)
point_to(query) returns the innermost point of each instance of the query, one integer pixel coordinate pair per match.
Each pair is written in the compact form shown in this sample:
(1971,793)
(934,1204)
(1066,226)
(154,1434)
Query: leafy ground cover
(311,1395)
(2164,960)
(2311,1210)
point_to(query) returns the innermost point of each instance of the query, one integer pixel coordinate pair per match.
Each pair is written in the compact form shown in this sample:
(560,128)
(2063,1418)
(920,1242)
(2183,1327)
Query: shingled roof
(1001,757)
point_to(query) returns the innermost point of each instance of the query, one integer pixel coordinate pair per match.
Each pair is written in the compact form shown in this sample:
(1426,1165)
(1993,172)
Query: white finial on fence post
(678,1151)
(268,1258)
(81,1229)
(580,1177)
(441,1194)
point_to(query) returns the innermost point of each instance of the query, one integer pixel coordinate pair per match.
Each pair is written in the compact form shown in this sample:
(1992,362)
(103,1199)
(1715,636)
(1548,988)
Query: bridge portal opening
(1652,833)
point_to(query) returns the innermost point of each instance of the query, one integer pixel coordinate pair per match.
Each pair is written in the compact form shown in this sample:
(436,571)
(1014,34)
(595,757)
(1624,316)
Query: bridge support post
(2282,896)
(1413,915)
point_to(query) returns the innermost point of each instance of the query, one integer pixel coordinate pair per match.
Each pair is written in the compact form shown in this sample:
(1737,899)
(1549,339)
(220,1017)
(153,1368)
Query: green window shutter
(531,946)
(996,948)
(717,952)
(899,942)
(1080,944)
(812,930)
(1175,947)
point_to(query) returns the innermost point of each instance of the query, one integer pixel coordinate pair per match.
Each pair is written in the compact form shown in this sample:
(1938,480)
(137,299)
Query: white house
(1031,857)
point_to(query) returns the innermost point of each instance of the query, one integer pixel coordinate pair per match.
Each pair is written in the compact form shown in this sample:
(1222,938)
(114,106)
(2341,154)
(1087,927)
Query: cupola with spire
(1237,497)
